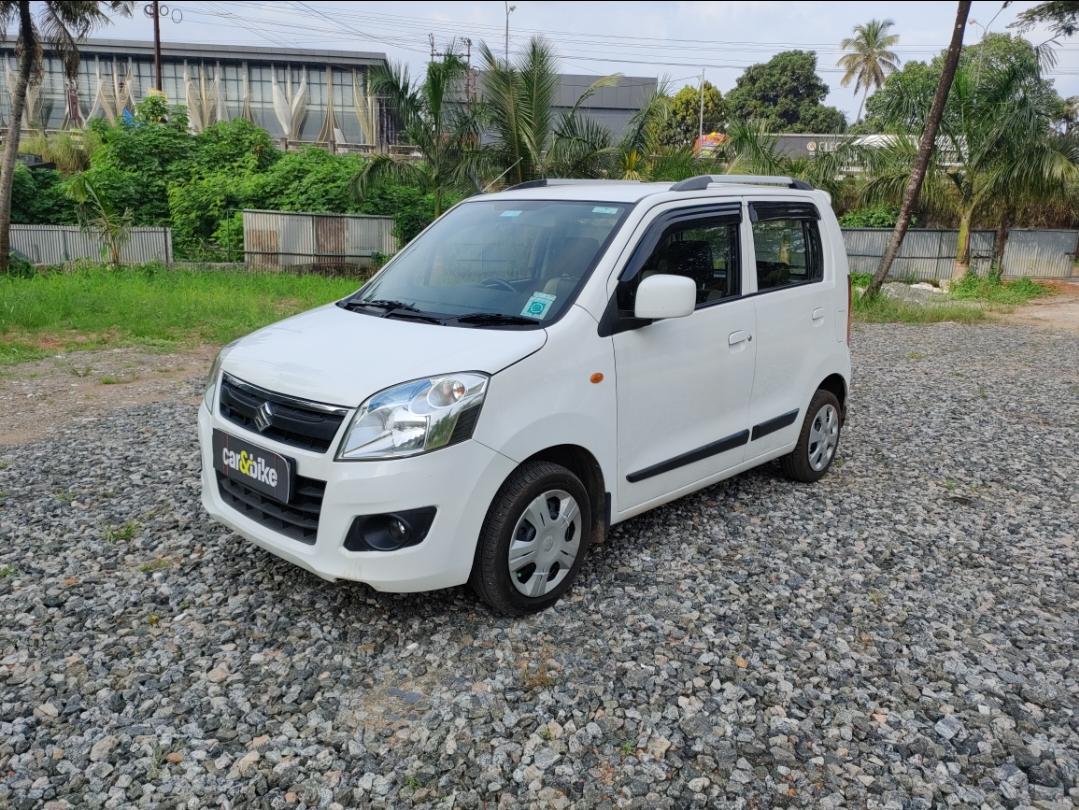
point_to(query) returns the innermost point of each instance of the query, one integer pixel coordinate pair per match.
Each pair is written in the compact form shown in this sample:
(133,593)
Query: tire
(543,572)
(810,460)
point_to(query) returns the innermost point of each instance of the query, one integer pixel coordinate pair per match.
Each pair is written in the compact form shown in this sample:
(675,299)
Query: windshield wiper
(494,319)
(377,303)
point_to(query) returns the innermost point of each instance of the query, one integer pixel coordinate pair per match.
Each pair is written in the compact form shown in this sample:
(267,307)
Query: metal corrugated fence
(333,242)
(57,244)
(930,254)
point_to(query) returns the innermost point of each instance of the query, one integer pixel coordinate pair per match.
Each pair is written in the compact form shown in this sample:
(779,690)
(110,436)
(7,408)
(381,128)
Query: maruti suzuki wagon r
(539,364)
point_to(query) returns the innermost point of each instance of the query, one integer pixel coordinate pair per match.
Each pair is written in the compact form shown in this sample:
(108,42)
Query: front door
(684,383)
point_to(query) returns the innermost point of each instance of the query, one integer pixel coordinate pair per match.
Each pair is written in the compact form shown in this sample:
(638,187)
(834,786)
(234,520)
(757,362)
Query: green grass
(160,564)
(993,290)
(148,306)
(882,309)
(114,534)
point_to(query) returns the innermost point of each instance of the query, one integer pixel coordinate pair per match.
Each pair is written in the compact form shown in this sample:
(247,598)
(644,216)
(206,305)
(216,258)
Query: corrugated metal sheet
(57,244)
(1040,254)
(925,254)
(320,241)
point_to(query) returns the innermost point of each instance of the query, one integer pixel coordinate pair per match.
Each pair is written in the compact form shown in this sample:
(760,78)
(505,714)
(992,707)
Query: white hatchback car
(536,366)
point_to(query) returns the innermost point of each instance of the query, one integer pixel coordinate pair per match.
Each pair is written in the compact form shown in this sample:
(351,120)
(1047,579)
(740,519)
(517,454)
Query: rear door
(794,313)
(683,383)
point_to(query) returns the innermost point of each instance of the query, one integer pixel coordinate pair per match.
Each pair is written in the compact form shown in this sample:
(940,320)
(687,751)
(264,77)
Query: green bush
(994,290)
(876,216)
(38,198)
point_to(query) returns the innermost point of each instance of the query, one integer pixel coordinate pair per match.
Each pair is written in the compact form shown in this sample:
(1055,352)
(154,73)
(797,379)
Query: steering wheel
(498,282)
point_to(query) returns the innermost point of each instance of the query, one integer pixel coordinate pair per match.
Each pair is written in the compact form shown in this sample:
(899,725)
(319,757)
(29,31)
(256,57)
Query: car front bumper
(459,481)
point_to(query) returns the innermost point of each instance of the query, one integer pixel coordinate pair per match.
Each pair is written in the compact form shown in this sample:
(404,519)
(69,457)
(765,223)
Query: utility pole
(509,10)
(153,9)
(700,116)
(469,84)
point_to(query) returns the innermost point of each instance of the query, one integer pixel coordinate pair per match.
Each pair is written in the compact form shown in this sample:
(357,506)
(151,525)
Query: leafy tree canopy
(1062,17)
(785,94)
(683,116)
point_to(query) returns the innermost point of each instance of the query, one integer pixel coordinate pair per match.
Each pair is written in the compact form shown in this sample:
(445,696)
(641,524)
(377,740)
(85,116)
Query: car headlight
(211,383)
(415,417)
(215,376)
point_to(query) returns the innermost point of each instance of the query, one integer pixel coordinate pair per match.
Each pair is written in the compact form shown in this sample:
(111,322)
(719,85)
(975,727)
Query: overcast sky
(672,39)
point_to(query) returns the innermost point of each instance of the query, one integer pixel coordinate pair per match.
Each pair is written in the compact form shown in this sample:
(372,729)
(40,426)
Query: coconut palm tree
(926,147)
(519,101)
(997,137)
(869,62)
(60,24)
(443,131)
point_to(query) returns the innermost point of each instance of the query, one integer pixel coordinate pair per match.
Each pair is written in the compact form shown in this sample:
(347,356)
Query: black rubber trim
(772,425)
(715,448)
(763,210)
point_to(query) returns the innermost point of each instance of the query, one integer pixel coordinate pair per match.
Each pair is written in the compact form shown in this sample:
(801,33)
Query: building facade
(310,96)
(298,96)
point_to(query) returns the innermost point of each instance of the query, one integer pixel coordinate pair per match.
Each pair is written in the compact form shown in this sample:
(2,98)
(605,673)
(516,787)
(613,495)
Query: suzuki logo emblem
(264,416)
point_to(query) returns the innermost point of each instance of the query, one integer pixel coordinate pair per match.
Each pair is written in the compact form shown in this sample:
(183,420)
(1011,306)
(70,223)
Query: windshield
(493,263)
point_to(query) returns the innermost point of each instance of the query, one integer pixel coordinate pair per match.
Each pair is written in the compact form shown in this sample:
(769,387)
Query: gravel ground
(904,634)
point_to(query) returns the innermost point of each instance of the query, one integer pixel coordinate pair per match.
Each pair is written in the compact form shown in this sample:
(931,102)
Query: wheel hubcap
(823,437)
(544,543)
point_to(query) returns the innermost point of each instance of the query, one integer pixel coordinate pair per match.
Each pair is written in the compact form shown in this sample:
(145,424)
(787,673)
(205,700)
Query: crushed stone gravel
(903,634)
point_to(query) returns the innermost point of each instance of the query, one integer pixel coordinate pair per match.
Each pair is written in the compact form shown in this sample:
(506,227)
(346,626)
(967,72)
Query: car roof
(619,191)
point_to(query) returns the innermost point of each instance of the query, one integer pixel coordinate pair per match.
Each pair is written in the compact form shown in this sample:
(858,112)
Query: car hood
(339,357)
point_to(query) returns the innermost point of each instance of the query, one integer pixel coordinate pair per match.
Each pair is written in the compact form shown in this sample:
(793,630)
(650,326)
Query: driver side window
(703,249)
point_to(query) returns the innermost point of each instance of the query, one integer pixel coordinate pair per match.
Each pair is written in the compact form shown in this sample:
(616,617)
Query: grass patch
(994,290)
(149,305)
(882,309)
(118,534)
(7,571)
(159,564)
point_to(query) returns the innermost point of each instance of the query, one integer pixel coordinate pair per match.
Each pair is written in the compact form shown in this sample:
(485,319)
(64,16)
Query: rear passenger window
(788,253)
(704,250)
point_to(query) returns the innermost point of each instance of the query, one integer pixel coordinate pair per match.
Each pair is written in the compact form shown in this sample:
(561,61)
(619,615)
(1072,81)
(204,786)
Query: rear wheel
(818,441)
(534,539)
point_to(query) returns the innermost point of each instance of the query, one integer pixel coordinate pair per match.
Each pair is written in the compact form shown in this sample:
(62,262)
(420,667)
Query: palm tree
(1000,146)
(869,62)
(443,131)
(925,148)
(520,108)
(101,216)
(59,24)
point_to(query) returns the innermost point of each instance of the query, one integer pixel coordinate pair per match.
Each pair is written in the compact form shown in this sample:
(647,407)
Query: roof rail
(543,182)
(703,181)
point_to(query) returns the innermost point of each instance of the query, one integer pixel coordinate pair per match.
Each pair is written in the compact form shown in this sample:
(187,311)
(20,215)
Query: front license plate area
(263,470)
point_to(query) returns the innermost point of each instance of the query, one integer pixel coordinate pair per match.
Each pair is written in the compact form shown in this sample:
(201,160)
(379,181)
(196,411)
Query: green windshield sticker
(510,214)
(537,305)
(600,209)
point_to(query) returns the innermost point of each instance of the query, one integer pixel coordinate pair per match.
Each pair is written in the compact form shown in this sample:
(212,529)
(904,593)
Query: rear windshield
(521,260)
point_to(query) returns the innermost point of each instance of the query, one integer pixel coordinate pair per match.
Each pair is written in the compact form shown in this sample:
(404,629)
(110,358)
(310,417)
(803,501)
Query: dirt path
(1059,311)
(35,397)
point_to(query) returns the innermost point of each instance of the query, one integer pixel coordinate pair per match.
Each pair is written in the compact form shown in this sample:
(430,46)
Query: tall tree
(684,119)
(870,61)
(59,24)
(1062,17)
(998,132)
(785,94)
(925,148)
(444,131)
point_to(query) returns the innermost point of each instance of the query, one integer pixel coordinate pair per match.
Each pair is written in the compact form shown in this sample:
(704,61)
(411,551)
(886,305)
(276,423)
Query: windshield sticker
(538,305)
(510,214)
(600,209)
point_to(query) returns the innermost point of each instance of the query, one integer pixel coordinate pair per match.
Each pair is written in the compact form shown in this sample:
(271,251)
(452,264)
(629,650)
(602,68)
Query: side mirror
(665,296)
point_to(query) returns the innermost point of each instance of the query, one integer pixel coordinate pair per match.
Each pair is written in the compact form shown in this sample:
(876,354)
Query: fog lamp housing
(390,531)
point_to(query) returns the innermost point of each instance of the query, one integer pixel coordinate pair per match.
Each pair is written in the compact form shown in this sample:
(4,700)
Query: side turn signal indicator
(596,378)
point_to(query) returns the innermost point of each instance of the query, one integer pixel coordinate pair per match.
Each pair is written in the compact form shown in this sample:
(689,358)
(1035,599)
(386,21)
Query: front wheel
(533,541)
(818,441)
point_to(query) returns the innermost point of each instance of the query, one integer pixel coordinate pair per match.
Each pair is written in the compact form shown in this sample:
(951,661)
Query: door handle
(818,314)
(741,336)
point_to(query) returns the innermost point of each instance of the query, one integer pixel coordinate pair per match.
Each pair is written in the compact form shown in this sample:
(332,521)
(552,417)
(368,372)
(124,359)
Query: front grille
(297,519)
(309,425)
